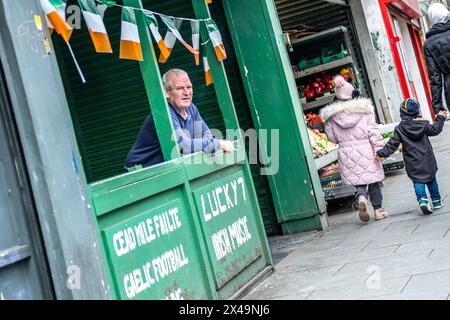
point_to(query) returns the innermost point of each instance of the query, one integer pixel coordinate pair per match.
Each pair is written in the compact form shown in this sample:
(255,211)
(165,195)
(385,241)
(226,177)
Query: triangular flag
(195,26)
(130,43)
(153,25)
(169,40)
(216,39)
(208,76)
(173,25)
(95,26)
(54,11)
(61,9)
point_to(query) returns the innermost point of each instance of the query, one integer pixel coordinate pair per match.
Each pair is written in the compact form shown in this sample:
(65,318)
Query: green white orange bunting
(172,34)
(216,40)
(130,44)
(95,25)
(153,26)
(208,76)
(54,11)
(195,27)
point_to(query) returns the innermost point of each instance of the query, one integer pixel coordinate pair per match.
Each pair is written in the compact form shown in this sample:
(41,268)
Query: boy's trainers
(425,207)
(437,204)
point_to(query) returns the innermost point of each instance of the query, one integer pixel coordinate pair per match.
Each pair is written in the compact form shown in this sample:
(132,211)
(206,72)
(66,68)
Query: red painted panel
(409,7)
(394,48)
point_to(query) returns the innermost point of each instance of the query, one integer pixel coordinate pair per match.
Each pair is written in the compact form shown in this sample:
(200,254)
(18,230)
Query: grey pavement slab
(406,256)
(428,282)
(366,290)
(438,294)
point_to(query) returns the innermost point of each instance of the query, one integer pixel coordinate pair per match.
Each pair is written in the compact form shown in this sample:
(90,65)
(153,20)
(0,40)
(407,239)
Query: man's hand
(442,113)
(226,146)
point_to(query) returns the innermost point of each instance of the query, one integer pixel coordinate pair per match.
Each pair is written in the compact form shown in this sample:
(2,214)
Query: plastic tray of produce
(340,190)
(326,159)
(393,162)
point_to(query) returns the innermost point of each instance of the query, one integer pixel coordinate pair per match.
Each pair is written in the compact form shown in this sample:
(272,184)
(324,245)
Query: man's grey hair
(167,83)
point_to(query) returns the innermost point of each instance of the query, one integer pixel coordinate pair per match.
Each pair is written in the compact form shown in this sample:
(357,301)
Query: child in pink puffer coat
(350,123)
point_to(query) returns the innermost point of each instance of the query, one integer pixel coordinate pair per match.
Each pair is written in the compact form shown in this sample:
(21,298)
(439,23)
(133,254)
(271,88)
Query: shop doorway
(410,65)
(23,266)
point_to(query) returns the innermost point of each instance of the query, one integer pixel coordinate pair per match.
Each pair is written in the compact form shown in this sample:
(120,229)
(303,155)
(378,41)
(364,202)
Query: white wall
(384,61)
(414,72)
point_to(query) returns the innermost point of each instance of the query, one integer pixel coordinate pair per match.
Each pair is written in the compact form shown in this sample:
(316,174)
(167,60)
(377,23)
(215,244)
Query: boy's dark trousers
(433,188)
(376,197)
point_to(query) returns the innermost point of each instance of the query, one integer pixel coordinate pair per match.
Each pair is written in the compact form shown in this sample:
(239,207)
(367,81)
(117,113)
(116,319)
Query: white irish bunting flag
(130,44)
(95,25)
(216,40)
(153,25)
(195,26)
(54,11)
(173,34)
(208,76)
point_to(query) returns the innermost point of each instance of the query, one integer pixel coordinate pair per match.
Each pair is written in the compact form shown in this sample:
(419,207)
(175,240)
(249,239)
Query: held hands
(226,146)
(378,158)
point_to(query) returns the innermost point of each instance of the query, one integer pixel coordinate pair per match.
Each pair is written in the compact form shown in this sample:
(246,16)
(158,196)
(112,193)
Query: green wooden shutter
(108,110)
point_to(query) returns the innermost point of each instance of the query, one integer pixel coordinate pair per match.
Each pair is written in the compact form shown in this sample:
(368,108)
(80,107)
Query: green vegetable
(387,135)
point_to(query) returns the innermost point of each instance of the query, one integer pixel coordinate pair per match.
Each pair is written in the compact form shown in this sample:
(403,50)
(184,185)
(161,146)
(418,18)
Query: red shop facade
(402,22)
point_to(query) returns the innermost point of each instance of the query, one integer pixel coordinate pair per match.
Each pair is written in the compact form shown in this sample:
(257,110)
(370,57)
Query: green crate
(333,53)
(334,177)
(309,62)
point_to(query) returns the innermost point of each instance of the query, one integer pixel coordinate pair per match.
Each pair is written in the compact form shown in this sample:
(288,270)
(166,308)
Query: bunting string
(83,80)
(151,12)
(130,43)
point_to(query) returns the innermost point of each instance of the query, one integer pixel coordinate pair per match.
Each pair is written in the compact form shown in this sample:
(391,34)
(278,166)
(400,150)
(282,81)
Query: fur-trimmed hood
(339,111)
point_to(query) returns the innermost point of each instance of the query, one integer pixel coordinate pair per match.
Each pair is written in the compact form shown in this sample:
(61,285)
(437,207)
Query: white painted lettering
(206,214)
(215,211)
(174,216)
(221,244)
(119,243)
(217,192)
(227,196)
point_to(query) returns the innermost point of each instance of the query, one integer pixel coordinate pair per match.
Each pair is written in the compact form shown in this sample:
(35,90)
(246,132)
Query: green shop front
(194,226)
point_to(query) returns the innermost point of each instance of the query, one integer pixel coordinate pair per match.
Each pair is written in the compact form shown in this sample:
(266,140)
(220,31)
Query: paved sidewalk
(406,256)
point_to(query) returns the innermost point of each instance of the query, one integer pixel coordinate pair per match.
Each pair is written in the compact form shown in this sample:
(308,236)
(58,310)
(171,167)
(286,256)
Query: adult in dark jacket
(191,131)
(420,162)
(437,54)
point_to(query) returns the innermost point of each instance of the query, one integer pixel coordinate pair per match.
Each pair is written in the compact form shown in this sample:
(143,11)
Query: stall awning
(341,2)
(411,8)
